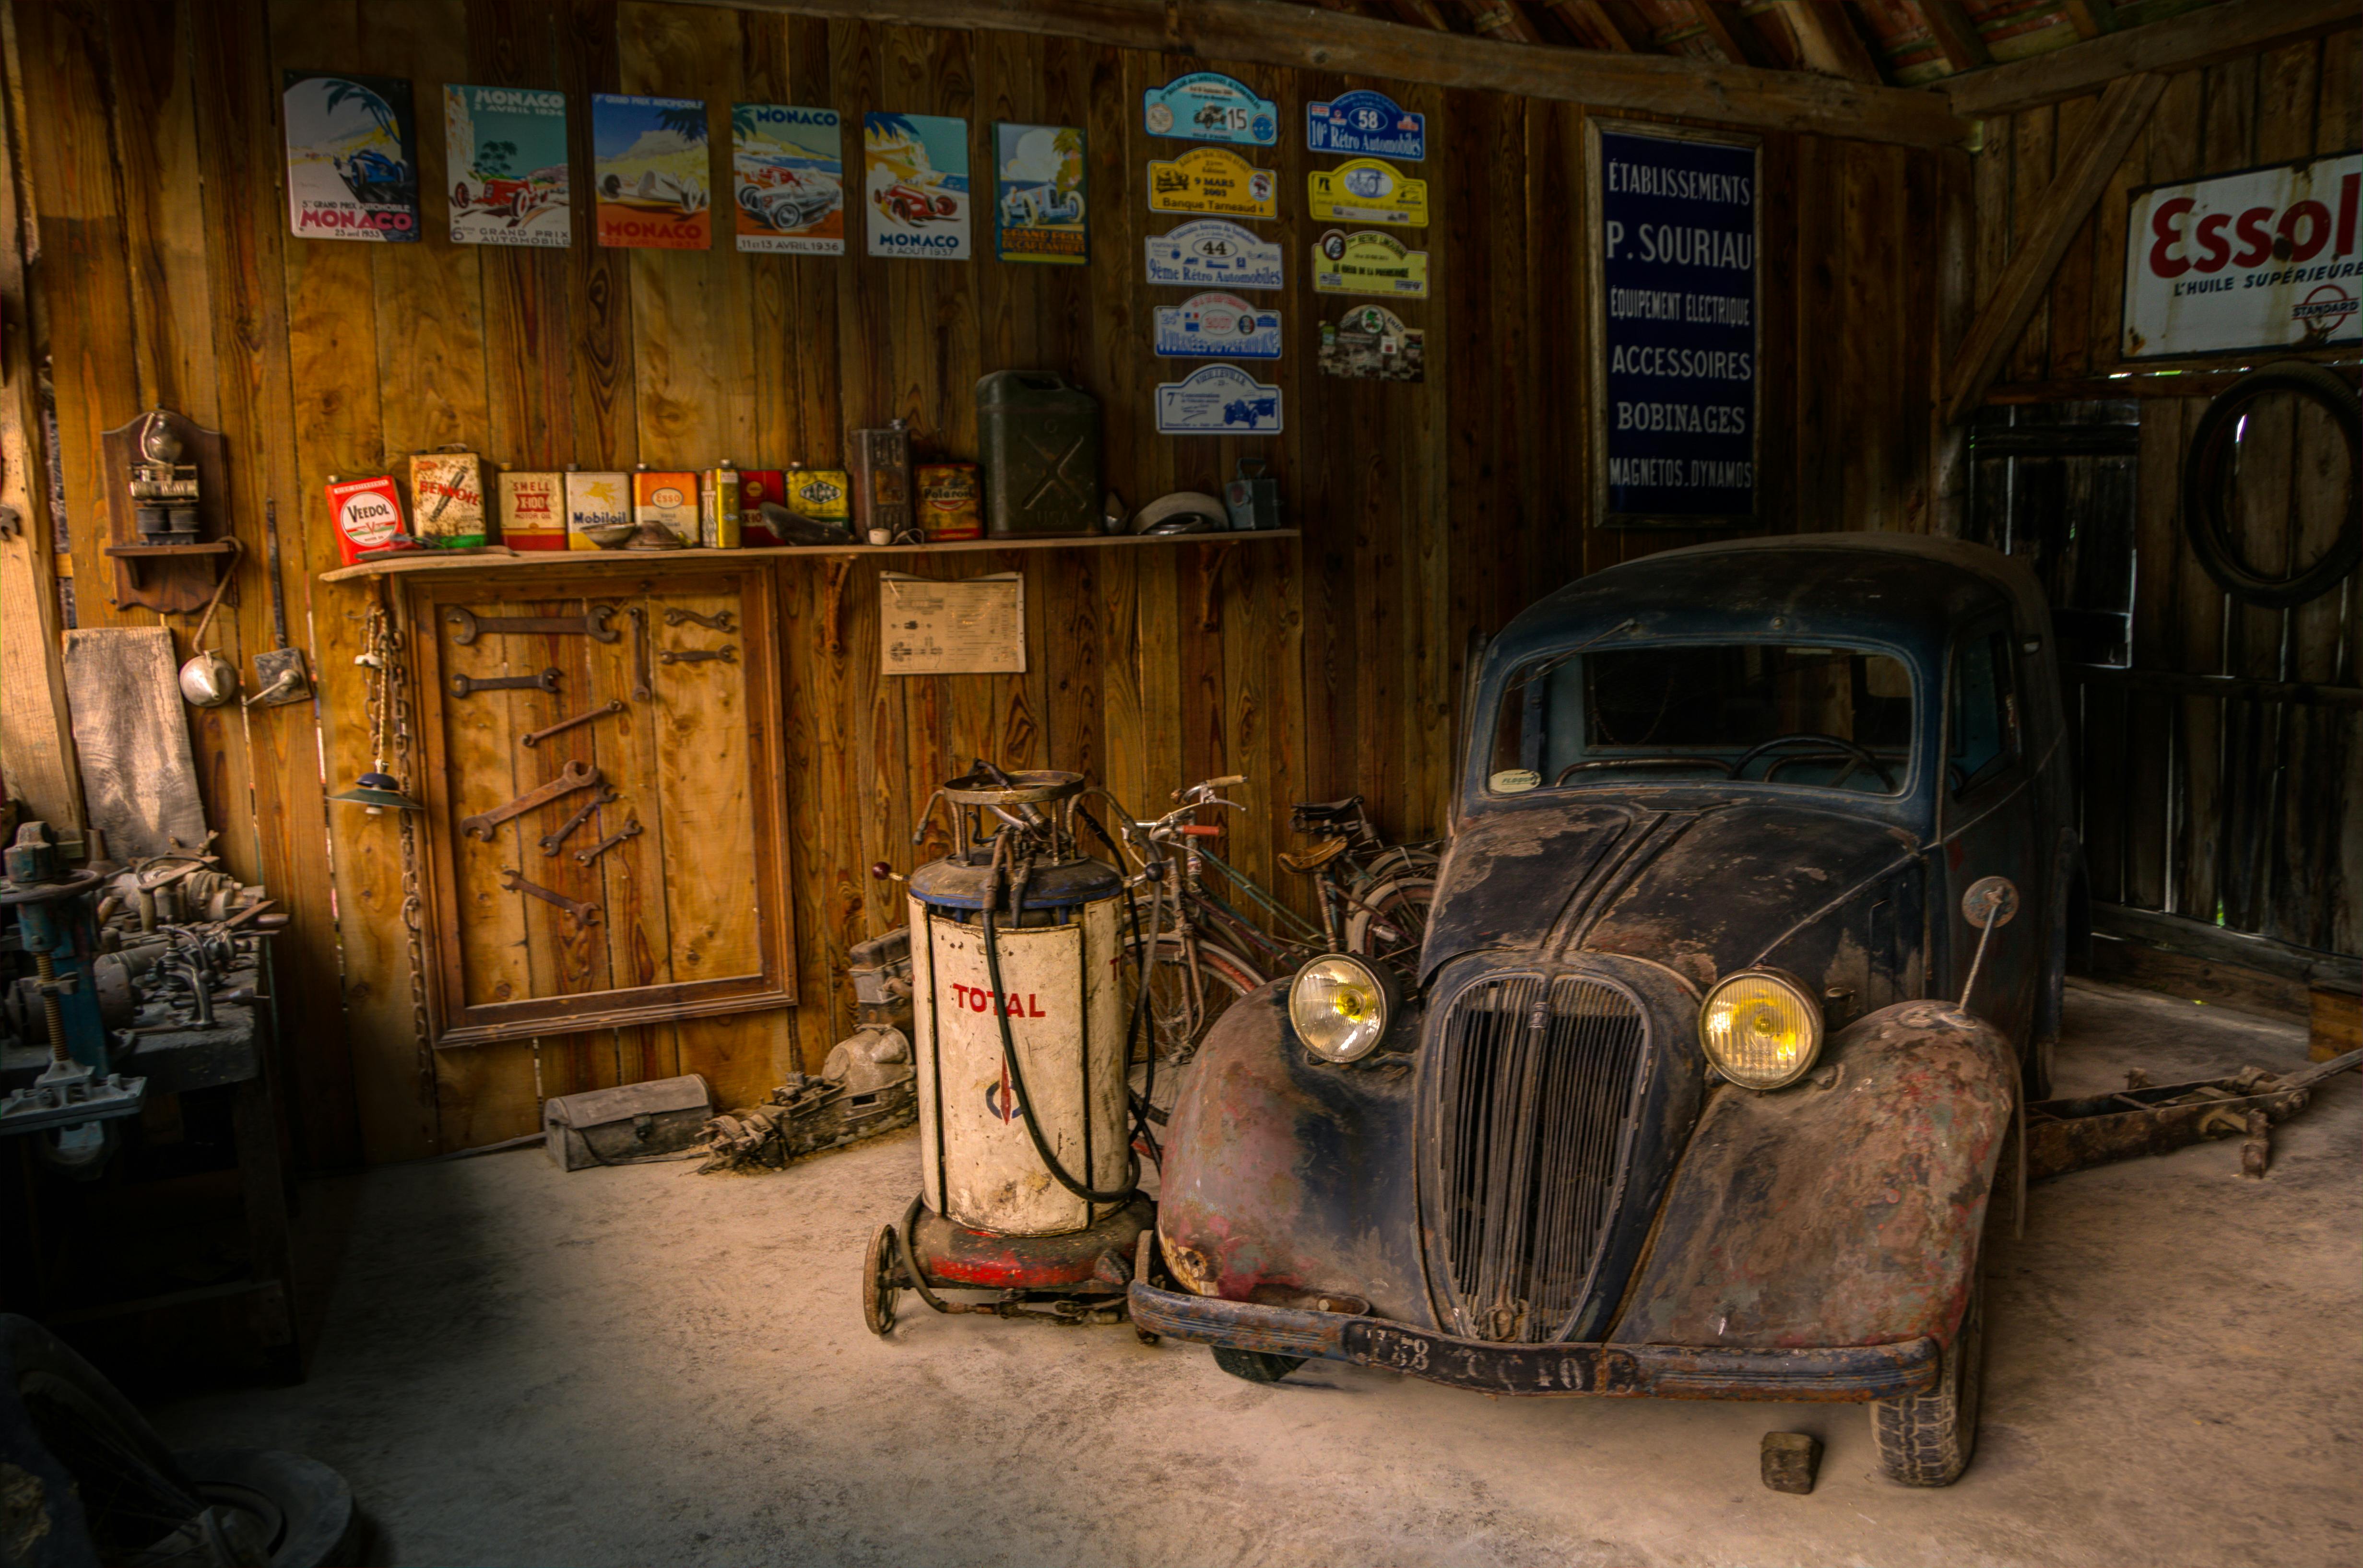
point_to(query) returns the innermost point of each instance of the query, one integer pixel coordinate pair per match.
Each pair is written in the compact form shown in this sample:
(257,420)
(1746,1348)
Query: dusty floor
(646,1366)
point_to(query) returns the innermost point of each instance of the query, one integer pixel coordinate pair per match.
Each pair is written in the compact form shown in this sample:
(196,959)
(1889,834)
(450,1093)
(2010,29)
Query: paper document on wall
(974,626)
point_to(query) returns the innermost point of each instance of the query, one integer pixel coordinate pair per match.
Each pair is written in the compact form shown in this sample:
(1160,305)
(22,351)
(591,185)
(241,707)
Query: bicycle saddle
(1348,810)
(1313,859)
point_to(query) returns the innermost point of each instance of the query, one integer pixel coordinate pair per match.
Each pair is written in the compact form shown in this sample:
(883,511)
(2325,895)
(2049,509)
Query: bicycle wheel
(1389,924)
(1184,1000)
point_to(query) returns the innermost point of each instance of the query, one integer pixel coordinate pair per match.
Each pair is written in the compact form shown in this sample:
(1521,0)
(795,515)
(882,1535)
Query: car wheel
(1256,1366)
(1925,1439)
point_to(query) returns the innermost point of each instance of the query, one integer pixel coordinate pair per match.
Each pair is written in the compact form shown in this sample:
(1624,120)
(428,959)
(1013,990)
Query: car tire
(1256,1366)
(1927,1439)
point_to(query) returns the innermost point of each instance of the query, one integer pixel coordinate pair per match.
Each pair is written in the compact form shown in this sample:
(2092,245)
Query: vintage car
(906,203)
(1749,938)
(780,198)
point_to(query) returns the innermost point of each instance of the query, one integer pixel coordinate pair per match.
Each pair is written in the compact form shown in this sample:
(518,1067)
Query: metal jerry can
(1038,439)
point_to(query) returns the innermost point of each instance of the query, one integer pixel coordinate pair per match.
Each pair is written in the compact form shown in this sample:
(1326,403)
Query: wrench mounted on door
(574,776)
(467,625)
(581,914)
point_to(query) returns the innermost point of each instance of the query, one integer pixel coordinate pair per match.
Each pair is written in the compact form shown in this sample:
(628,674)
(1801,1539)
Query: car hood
(1704,888)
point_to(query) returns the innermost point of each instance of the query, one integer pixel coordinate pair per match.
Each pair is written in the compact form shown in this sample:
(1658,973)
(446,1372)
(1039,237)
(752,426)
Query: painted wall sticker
(1208,179)
(1366,191)
(787,178)
(1369,343)
(1206,105)
(352,158)
(1210,253)
(1217,325)
(916,174)
(1038,180)
(1367,124)
(506,153)
(1217,399)
(653,175)
(1367,263)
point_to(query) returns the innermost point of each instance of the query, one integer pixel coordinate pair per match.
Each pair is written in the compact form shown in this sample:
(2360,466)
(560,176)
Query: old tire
(1925,1439)
(297,1509)
(1390,924)
(881,1270)
(2212,531)
(1256,1366)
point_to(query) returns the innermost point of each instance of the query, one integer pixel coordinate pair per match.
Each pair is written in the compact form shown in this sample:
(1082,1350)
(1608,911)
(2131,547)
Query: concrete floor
(648,1366)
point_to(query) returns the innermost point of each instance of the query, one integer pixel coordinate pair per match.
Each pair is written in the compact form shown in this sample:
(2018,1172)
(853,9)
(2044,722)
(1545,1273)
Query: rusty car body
(1785,758)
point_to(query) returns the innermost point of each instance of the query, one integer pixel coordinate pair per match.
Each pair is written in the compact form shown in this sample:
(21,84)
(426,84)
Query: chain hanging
(383,647)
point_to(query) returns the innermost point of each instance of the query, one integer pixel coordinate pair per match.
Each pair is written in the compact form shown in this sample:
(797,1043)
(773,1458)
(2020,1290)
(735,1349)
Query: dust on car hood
(1704,886)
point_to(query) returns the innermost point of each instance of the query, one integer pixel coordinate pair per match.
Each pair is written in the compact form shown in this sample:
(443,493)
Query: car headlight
(1341,1006)
(1761,1029)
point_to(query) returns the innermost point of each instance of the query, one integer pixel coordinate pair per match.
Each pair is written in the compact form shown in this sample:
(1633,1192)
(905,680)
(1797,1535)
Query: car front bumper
(1818,1372)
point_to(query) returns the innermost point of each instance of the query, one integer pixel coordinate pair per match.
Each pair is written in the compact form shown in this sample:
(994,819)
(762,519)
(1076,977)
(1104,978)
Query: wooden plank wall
(2242,814)
(166,275)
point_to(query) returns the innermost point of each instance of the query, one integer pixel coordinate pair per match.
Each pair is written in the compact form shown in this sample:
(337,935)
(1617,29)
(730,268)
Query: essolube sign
(2263,259)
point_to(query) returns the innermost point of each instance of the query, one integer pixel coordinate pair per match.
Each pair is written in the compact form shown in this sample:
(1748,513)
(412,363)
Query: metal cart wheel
(880,1280)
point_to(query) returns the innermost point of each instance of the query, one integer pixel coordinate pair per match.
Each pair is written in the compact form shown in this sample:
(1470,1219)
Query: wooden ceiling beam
(1826,42)
(1956,34)
(1589,18)
(2082,175)
(1270,33)
(1502,19)
(2195,38)
(1421,14)
(1733,35)
(2090,18)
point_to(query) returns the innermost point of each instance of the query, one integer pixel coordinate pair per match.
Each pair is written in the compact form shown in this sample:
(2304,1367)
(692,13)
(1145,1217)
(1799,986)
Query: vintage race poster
(1217,325)
(1367,263)
(1208,179)
(1038,175)
(1366,191)
(787,170)
(1217,400)
(652,172)
(1211,254)
(915,174)
(2264,259)
(1369,343)
(506,151)
(1366,124)
(352,158)
(1206,105)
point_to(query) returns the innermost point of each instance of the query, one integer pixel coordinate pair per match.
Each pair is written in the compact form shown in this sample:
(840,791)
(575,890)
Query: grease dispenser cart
(1028,1176)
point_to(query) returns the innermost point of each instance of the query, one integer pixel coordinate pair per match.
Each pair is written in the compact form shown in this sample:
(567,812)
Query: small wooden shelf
(149,551)
(499,559)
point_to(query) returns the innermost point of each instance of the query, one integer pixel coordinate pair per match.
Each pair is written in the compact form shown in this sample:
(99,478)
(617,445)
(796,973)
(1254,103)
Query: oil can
(446,497)
(1038,439)
(533,511)
(756,485)
(948,501)
(598,506)
(367,513)
(719,515)
(882,479)
(664,503)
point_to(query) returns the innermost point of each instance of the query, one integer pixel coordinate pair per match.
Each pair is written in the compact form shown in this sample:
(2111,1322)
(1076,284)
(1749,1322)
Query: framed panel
(678,838)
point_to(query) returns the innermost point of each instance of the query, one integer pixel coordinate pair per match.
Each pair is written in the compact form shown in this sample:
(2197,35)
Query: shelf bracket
(1212,558)
(832,610)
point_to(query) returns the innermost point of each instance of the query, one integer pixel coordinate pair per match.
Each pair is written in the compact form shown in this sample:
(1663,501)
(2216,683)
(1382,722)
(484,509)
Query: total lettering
(978,1000)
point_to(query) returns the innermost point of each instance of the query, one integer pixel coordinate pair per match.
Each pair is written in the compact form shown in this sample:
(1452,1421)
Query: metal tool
(592,623)
(613,704)
(208,680)
(727,654)
(280,676)
(631,830)
(605,796)
(574,776)
(643,687)
(462,685)
(583,914)
(718,621)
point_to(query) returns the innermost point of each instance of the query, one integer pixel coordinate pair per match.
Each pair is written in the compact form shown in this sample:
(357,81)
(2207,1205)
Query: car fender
(1846,1210)
(1284,1175)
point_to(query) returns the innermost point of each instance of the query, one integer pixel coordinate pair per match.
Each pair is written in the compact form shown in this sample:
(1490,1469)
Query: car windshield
(1752,712)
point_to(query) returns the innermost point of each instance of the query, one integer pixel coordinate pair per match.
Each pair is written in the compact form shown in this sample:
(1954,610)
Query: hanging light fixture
(378,793)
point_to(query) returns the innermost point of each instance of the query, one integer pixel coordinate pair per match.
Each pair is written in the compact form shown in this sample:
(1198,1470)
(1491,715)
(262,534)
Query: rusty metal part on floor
(2076,1134)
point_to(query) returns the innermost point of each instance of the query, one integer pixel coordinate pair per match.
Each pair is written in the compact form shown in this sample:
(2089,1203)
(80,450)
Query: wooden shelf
(499,559)
(150,552)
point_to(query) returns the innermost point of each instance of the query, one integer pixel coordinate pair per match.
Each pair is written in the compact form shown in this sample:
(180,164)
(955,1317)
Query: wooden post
(35,733)
(2124,109)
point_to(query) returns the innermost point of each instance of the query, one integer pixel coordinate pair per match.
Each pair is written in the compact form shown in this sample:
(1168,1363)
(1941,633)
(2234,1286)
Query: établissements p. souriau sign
(1675,278)
(2262,259)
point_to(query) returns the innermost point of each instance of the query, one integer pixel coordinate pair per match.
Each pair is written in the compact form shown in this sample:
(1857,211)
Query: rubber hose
(905,1245)
(1059,1173)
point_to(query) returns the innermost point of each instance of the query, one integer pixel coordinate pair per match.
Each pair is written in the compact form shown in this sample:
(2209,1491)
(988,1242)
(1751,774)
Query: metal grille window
(1537,1077)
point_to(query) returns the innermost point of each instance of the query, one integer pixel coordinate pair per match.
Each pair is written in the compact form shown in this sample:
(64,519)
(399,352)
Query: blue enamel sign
(1212,254)
(1364,123)
(1212,325)
(1217,400)
(1677,331)
(1206,105)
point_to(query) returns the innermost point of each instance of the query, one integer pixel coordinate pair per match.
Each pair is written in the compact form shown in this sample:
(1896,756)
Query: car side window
(1985,710)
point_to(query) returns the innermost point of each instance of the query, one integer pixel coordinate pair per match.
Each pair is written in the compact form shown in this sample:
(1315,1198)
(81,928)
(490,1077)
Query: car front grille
(1536,1077)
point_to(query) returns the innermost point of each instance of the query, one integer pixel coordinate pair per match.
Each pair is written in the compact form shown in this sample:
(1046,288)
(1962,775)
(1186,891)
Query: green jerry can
(1038,439)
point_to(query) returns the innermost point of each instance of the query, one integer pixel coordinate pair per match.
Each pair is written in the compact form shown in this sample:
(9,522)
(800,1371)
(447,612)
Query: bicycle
(1203,953)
